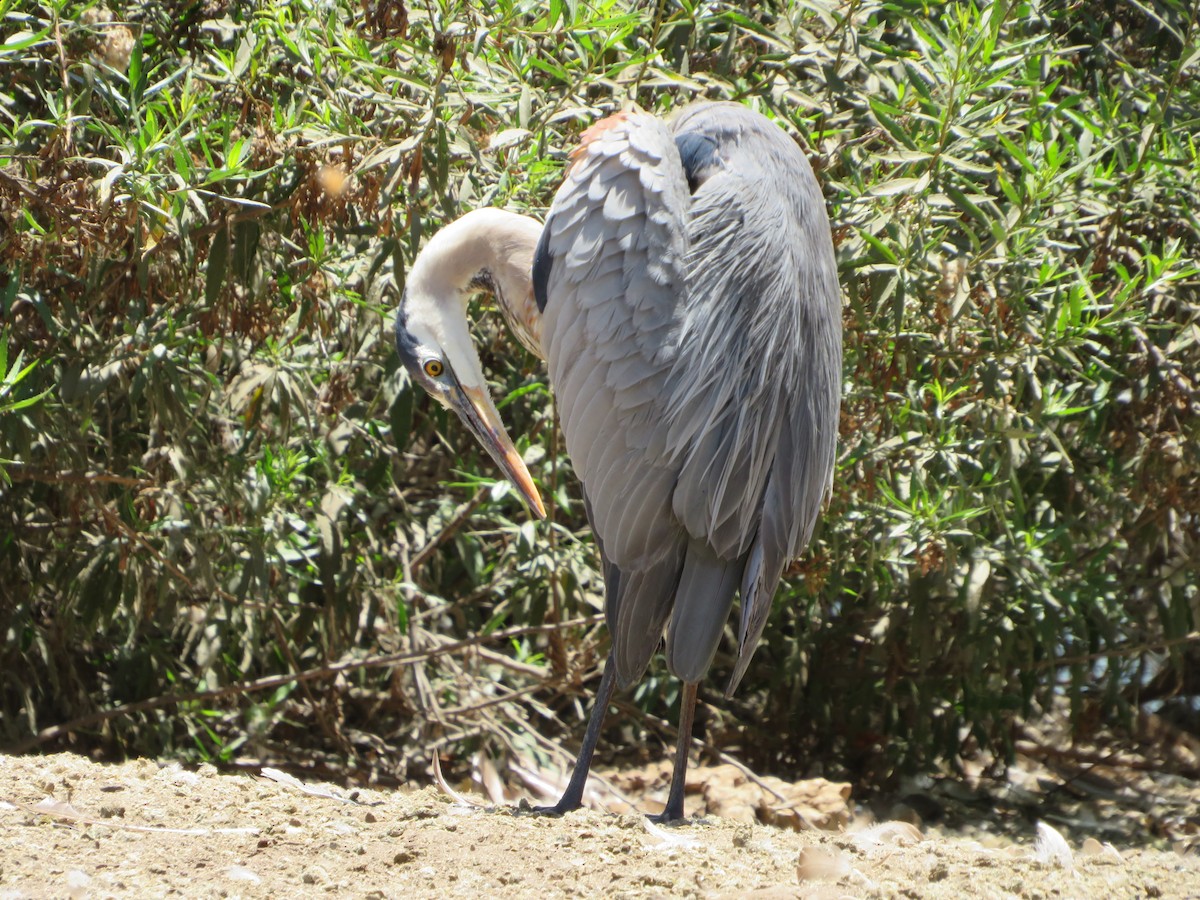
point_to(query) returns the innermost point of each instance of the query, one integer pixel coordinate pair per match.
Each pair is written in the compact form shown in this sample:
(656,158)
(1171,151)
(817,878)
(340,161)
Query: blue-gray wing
(609,274)
(682,334)
(754,404)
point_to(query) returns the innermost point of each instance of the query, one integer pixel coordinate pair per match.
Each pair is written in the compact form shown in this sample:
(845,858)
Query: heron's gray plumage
(691,327)
(683,294)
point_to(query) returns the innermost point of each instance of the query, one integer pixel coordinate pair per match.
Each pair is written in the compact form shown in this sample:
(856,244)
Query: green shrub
(203,213)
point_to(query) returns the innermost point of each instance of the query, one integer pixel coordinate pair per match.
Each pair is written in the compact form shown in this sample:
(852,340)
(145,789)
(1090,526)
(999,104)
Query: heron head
(435,346)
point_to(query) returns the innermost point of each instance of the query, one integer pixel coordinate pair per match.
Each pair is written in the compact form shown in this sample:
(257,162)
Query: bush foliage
(216,488)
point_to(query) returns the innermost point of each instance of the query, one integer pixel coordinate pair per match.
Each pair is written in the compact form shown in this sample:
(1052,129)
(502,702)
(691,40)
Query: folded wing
(676,279)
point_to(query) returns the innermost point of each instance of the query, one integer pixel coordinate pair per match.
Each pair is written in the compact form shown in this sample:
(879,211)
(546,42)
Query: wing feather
(633,238)
(693,342)
(614,254)
(773,306)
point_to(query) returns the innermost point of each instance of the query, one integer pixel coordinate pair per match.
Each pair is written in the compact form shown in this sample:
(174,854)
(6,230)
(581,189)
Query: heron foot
(552,812)
(559,809)
(669,817)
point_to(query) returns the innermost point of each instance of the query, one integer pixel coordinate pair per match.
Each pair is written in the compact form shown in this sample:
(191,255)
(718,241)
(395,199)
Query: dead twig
(66,84)
(667,728)
(20,472)
(492,701)
(515,665)
(273,681)
(461,515)
(449,791)
(1191,637)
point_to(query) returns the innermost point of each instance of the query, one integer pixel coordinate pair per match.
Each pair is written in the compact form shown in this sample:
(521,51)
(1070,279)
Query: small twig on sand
(724,757)
(449,791)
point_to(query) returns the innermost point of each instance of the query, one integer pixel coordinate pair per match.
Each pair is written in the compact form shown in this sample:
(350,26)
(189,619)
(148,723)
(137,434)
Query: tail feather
(702,603)
(637,610)
(763,571)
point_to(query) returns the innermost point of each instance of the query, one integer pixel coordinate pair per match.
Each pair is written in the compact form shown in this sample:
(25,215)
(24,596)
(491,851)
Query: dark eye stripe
(406,345)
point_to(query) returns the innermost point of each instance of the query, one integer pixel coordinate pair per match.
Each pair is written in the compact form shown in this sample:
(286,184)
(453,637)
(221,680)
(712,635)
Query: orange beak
(479,414)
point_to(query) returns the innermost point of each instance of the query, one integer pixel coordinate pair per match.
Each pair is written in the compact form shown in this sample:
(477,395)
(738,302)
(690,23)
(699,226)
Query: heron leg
(673,812)
(572,797)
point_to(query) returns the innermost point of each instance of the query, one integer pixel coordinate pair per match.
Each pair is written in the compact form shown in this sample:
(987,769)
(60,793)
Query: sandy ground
(72,828)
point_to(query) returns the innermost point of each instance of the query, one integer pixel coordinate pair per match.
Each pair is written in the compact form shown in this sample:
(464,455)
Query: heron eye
(434,368)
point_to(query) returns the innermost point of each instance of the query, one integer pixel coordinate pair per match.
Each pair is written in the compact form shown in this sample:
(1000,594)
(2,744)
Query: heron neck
(490,250)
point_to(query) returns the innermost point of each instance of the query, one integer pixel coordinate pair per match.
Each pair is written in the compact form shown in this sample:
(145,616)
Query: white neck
(490,245)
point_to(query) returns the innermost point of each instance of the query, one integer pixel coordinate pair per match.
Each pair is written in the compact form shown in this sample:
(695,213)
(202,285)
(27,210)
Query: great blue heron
(684,295)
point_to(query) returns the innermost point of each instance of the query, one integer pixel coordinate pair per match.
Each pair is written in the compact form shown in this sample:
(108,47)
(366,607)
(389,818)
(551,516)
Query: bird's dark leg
(673,811)
(572,797)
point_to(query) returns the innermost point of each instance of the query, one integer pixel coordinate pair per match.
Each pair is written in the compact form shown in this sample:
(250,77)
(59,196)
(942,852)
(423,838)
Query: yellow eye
(433,368)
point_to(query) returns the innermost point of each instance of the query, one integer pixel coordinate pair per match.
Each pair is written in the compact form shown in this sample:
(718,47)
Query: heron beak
(476,409)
